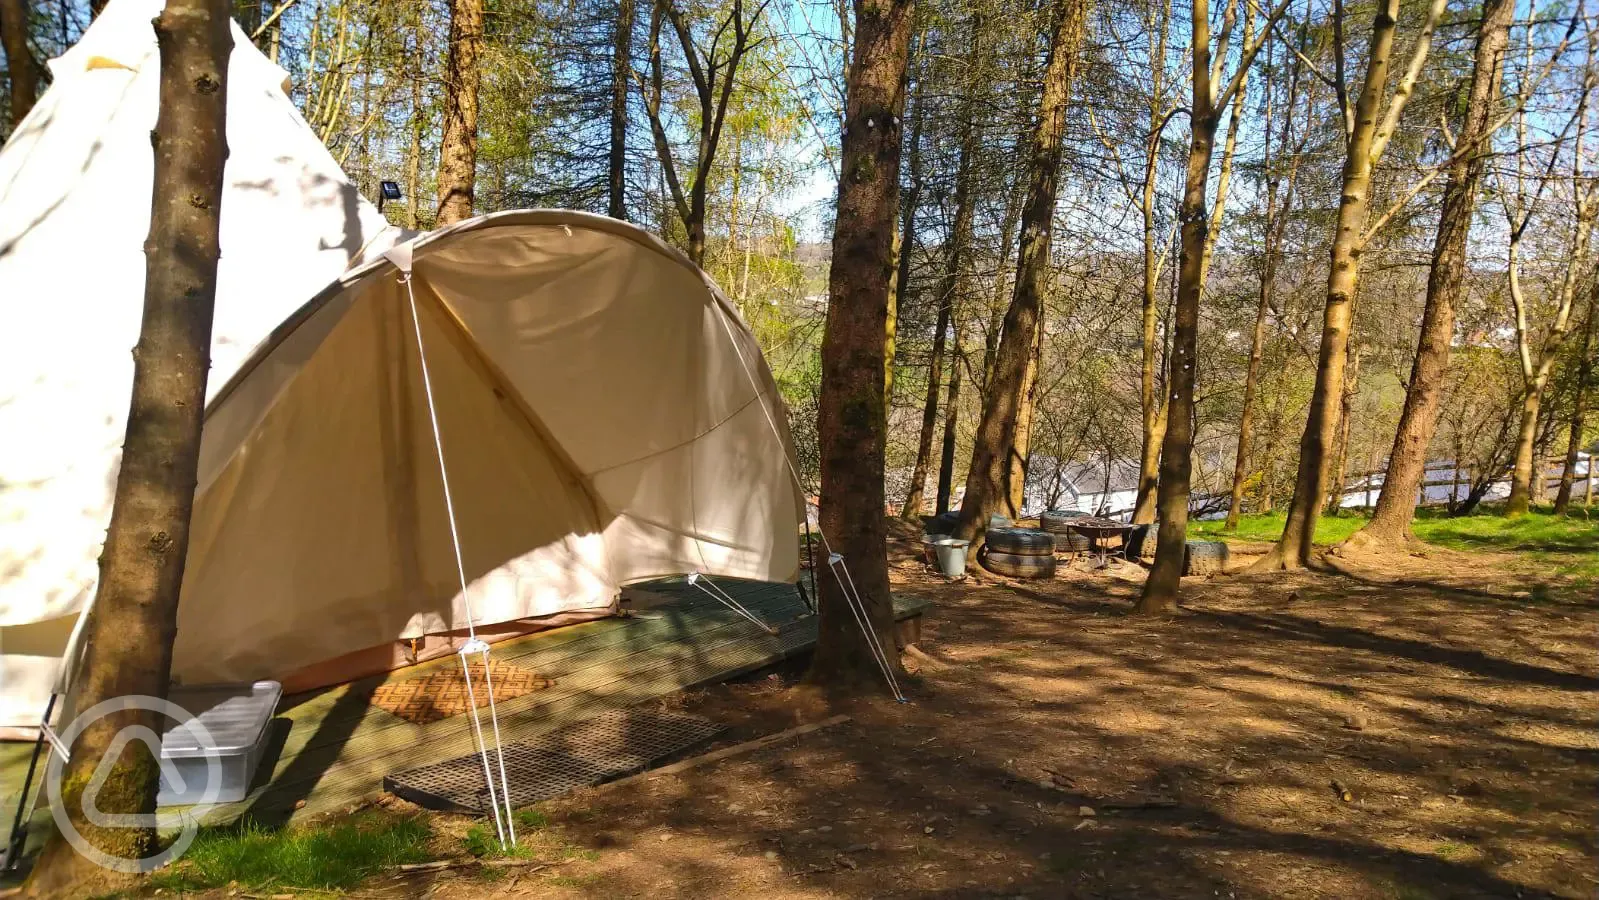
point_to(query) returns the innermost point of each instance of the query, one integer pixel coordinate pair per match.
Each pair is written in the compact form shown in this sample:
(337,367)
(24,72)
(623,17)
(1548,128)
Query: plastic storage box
(235,717)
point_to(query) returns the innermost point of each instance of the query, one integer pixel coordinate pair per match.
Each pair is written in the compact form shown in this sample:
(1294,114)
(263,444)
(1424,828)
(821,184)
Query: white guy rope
(835,561)
(472,645)
(715,592)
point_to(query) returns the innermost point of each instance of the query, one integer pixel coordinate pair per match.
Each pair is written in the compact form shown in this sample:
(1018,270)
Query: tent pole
(19,833)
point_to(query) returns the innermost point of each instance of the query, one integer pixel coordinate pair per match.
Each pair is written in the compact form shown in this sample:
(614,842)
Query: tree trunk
(1340,458)
(987,480)
(1171,495)
(1276,222)
(912,508)
(1024,425)
(21,69)
(458,148)
(621,73)
(1579,402)
(924,444)
(850,421)
(127,638)
(954,284)
(952,410)
(1293,549)
(413,159)
(1407,461)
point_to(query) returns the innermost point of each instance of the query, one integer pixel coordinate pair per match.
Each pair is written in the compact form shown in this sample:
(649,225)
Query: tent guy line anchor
(499,801)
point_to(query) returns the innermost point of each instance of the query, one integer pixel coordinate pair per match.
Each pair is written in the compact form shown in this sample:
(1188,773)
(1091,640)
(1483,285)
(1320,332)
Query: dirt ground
(1419,729)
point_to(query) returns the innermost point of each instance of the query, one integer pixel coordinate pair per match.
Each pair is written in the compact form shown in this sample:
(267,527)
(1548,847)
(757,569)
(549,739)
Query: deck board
(332,748)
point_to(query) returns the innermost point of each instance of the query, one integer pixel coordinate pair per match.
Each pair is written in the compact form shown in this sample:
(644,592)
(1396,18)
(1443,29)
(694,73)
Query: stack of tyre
(1019,553)
(1058,522)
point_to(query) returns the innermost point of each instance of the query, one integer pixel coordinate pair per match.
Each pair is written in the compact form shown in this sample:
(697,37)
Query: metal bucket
(951,556)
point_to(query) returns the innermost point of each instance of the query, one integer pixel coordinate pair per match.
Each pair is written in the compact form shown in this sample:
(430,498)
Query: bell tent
(604,414)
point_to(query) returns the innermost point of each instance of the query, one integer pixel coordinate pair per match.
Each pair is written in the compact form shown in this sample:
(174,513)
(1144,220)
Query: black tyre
(1141,542)
(1059,520)
(1071,542)
(1205,558)
(1012,565)
(1021,541)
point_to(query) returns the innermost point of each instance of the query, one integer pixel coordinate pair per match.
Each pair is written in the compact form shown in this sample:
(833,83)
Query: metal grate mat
(609,746)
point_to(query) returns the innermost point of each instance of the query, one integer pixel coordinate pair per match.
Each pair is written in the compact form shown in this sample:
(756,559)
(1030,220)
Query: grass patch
(331,857)
(1562,546)
(1268,527)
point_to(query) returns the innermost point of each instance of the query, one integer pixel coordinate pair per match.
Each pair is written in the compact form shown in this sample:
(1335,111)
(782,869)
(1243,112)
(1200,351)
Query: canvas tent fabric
(75,187)
(606,418)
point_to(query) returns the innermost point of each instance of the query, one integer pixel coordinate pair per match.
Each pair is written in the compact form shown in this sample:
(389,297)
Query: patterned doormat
(442,693)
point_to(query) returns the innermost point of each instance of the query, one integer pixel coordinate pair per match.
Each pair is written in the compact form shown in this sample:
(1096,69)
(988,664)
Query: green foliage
(330,857)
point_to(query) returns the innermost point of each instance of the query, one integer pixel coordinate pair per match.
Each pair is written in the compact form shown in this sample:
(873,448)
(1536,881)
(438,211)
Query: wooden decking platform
(331,749)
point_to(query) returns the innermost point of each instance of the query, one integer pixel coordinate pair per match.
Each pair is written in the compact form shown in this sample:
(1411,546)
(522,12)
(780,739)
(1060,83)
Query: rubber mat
(610,746)
(442,693)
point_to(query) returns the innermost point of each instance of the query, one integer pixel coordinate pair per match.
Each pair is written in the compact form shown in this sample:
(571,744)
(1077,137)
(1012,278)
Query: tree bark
(1171,494)
(1579,403)
(413,157)
(1407,461)
(1334,500)
(924,444)
(21,69)
(621,73)
(912,508)
(127,638)
(1151,405)
(851,420)
(458,148)
(1024,424)
(1369,129)
(987,480)
(952,410)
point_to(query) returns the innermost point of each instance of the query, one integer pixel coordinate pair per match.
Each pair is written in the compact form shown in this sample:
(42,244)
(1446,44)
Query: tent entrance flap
(327,529)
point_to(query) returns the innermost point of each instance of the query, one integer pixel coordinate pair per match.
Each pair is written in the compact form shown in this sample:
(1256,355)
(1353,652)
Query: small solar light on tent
(388,190)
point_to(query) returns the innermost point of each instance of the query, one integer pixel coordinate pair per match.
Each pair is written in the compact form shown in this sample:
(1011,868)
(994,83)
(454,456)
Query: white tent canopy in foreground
(606,415)
(606,418)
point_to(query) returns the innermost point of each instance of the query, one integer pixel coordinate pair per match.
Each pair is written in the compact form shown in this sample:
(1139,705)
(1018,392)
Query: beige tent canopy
(606,416)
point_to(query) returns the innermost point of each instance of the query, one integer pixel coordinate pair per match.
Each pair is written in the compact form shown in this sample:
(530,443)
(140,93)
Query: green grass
(332,857)
(1561,545)
(1267,527)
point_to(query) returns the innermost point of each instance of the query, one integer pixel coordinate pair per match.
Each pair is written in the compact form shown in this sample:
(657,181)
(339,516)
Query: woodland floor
(1454,696)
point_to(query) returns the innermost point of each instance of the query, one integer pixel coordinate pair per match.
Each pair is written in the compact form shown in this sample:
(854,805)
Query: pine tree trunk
(851,420)
(912,508)
(954,284)
(1293,549)
(621,73)
(1407,461)
(413,156)
(21,70)
(127,638)
(987,487)
(458,148)
(952,415)
(1579,403)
